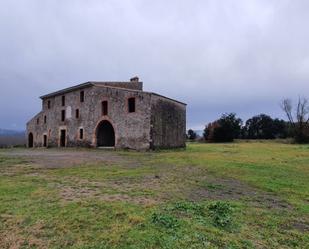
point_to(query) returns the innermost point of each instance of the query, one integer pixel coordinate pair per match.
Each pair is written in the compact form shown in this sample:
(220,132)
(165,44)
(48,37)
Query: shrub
(165,220)
(188,207)
(191,135)
(221,213)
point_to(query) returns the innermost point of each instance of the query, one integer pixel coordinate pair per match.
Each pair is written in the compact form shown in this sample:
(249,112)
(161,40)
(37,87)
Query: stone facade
(128,118)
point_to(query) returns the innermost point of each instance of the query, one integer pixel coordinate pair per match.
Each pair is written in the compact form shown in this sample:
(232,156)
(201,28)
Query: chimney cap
(134,79)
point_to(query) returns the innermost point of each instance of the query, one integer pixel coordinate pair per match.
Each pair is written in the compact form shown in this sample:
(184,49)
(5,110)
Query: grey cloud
(217,56)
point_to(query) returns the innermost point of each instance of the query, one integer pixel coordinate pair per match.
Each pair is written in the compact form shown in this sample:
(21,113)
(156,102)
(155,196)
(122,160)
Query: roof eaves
(159,95)
(69,89)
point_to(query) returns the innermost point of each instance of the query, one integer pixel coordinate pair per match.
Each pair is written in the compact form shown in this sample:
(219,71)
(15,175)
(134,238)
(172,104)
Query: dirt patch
(78,194)
(55,158)
(301,226)
(19,169)
(232,189)
(15,237)
(76,189)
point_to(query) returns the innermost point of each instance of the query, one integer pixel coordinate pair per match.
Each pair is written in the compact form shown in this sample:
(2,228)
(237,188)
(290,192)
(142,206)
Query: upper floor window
(62,115)
(48,104)
(104,108)
(131,104)
(77,113)
(45,119)
(63,100)
(38,121)
(82,96)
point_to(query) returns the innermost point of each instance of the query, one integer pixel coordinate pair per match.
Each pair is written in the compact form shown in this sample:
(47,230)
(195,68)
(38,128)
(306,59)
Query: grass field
(240,195)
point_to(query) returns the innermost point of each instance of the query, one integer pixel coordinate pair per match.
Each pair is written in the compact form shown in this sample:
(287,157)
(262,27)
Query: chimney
(134,79)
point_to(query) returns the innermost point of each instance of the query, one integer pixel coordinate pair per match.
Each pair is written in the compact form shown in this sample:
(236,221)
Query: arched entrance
(30,140)
(105,134)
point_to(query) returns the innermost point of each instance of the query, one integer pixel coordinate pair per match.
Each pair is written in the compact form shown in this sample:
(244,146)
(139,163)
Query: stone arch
(105,134)
(30,140)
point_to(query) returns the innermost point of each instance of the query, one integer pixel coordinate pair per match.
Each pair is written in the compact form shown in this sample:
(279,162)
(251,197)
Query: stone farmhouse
(108,114)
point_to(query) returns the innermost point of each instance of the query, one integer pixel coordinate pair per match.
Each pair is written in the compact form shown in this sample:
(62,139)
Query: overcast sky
(239,56)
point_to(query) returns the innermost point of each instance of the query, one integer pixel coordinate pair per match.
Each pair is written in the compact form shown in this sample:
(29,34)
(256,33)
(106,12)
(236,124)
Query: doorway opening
(45,141)
(30,140)
(105,134)
(62,138)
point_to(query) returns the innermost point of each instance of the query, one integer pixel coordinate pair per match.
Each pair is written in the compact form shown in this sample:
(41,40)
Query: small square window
(63,100)
(62,115)
(82,96)
(131,104)
(77,113)
(104,108)
(81,133)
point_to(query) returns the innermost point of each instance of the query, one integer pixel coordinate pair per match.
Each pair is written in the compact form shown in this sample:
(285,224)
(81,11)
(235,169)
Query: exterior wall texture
(156,123)
(168,123)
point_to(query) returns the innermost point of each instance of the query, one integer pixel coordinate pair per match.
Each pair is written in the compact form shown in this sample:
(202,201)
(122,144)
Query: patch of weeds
(198,240)
(212,186)
(221,213)
(188,207)
(165,220)
(239,244)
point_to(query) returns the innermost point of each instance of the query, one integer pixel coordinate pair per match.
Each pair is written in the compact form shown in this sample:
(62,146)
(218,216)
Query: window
(38,121)
(82,96)
(131,104)
(48,104)
(77,113)
(81,133)
(62,115)
(45,119)
(104,108)
(63,100)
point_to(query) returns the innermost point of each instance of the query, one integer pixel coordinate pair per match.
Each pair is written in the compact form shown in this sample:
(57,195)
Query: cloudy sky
(218,56)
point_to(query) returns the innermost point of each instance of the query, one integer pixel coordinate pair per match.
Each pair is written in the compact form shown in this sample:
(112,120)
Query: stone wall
(132,130)
(168,123)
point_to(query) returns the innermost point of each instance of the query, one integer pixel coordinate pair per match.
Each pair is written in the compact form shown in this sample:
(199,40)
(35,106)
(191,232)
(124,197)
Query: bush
(221,213)
(165,220)
(191,135)
(188,207)
(224,129)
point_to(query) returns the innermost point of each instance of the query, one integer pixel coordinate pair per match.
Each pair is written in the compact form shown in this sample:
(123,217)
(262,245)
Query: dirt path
(55,158)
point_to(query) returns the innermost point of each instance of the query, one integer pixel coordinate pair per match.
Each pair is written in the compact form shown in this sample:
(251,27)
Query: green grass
(240,195)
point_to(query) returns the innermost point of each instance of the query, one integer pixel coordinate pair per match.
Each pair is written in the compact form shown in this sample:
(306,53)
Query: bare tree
(300,119)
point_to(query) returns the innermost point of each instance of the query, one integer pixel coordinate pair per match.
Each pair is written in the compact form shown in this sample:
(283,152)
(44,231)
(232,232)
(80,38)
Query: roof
(102,84)
(80,86)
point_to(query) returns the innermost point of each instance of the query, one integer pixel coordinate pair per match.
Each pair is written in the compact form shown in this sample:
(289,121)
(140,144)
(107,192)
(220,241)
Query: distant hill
(199,132)
(4,132)
(10,138)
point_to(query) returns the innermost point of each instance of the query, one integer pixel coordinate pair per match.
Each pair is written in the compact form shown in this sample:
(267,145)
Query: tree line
(229,127)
